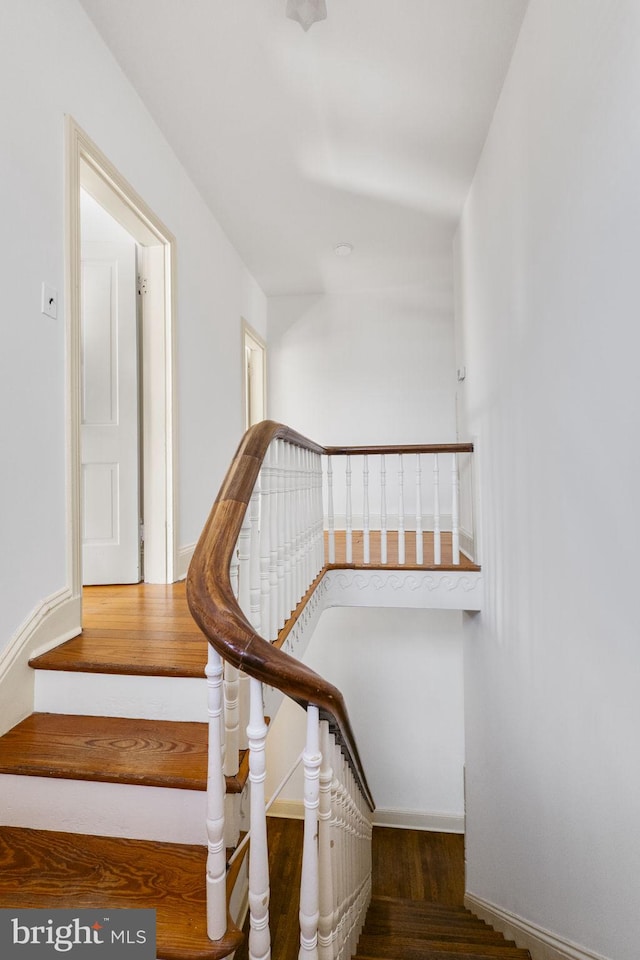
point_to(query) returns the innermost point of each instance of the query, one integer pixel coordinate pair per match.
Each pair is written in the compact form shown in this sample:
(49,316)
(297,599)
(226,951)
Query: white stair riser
(115,695)
(104,809)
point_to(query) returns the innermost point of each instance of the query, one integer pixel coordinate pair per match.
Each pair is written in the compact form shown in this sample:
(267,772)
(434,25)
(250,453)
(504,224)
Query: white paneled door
(110,421)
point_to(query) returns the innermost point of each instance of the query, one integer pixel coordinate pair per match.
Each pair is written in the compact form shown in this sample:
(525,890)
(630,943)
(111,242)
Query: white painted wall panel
(548,302)
(214,290)
(401,675)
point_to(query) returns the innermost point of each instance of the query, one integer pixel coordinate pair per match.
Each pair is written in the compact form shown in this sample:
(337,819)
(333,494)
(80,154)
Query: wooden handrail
(216,610)
(400,448)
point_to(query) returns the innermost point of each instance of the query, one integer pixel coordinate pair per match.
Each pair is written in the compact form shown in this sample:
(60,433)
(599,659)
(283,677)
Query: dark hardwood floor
(409,864)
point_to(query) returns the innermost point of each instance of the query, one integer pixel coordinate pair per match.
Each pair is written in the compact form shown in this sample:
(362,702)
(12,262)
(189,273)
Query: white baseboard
(467,544)
(184,559)
(55,620)
(541,943)
(418,820)
(400,819)
(287,809)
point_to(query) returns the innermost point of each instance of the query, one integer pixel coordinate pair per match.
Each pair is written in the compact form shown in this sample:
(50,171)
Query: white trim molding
(52,622)
(383,817)
(418,589)
(542,944)
(418,820)
(184,559)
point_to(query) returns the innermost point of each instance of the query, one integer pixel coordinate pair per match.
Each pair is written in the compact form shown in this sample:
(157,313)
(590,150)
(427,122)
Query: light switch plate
(49,301)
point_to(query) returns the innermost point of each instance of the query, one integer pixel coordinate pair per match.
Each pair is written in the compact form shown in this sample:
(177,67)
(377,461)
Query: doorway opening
(96,401)
(254,376)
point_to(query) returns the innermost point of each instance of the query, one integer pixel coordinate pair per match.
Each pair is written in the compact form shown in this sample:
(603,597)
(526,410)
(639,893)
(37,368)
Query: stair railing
(270,504)
(260,556)
(396,515)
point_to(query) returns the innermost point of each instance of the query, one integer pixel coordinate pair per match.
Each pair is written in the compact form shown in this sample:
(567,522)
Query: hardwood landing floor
(392,551)
(410,864)
(144,629)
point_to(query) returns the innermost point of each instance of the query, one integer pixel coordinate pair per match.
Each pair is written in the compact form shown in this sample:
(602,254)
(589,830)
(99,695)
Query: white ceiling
(366,129)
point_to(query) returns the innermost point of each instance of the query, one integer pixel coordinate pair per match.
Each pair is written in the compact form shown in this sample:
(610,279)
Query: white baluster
(365,511)
(308,521)
(326,918)
(231,751)
(299,525)
(455,496)
(383,510)
(419,545)
(349,518)
(254,559)
(274,623)
(216,855)
(309,886)
(243,592)
(259,936)
(437,546)
(290,601)
(401,552)
(265,546)
(331,522)
(336,862)
(283,613)
(319,514)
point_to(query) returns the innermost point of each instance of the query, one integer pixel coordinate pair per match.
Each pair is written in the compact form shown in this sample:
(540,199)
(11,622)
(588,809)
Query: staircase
(399,929)
(106,809)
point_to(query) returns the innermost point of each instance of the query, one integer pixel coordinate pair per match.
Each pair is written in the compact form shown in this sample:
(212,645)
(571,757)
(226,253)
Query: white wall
(374,366)
(52,62)
(400,672)
(548,307)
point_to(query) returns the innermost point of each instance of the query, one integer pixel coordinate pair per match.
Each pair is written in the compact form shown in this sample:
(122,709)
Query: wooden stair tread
(157,753)
(44,869)
(414,948)
(404,929)
(127,650)
(443,930)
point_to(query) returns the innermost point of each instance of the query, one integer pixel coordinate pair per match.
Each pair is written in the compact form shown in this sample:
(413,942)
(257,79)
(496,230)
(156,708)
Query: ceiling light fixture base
(306,12)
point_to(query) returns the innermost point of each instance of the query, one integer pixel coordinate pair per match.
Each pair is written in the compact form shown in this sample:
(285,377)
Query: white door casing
(109,414)
(87,167)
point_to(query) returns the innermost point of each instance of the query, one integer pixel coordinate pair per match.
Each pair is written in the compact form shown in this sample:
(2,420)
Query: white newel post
(216,854)
(419,545)
(437,547)
(309,884)
(401,552)
(383,510)
(349,518)
(455,521)
(259,936)
(331,523)
(365,509)
(325,843)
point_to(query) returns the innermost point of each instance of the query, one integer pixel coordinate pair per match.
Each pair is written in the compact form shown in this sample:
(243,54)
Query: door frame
(253,341)
(88,167)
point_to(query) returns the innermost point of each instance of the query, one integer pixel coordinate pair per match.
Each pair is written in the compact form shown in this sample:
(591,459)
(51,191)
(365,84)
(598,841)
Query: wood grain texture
(47,870)
(151,753)
(141,629)
(216,611)
(422,919)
